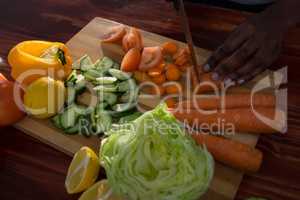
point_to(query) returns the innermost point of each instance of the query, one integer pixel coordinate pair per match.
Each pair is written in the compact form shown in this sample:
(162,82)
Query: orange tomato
(131,60)
(182,57)
(141,76)
(154,72)
(173,88)
(9,111)
(132,39)
(171,103)
(172,72)
(159,79)
(151,57)
(169,48)
(115,34)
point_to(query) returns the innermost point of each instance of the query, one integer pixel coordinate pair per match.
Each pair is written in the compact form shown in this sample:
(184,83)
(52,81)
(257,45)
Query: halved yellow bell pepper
(31,60)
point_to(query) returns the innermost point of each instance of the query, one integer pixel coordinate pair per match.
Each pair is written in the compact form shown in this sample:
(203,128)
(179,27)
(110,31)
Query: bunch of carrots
(235,109)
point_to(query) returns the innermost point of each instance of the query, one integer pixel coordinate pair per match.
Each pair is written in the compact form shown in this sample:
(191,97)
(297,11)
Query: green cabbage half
(153,158)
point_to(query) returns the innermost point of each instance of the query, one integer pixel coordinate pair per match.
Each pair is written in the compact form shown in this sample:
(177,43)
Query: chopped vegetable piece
(151,57)
(132,39)
(172,72)
(169,48)
(115,34)
(119,74)
(131,60)
(106,88)
(106,80)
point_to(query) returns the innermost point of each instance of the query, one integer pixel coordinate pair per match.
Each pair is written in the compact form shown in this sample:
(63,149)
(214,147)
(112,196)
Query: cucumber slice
(87,67)
(106,80)
(89,77)
(128,85)
(80,84)
(93,73)
(72,130)
(130,118)
(68,118)
(104,64)
(116,65)
(103,122)
(84,126)
(106,88)
(121,107)
(56,121)
(71,79)
(85,61)
(108,97)
(71,95)
(123,114)
(101,106)
(119,74)
(129,96)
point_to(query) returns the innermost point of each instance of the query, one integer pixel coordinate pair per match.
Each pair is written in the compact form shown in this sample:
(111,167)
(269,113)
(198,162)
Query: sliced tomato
(115,34)
(131,60)
(132,39)
(151,57)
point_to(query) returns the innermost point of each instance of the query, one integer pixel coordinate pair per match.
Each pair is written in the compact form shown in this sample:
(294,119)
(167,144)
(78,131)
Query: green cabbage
(153,158)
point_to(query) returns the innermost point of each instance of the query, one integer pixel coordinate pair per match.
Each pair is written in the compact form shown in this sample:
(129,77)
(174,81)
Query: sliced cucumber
(93,73)
(80,84)
(128,85)
(71,95)
(103,122)
(106,80)
(68,118)
(104,64)
(116,65)
(130,118)
(129,96)
(106,88)
(71,79)
(85,61)
(56,121)
(84,126)
(119,74)
(87,67)
(108,97)
(101,106)
(72,130)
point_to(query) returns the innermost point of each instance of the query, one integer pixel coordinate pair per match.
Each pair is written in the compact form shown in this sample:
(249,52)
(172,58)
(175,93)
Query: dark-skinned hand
(249,50)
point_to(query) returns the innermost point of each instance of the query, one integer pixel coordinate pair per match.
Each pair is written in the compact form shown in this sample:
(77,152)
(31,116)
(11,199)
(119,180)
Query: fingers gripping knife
(179,6)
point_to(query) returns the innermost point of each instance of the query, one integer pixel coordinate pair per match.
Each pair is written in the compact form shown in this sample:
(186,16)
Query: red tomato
(131,60)
(116,34)
(9,111)
(132,39)
(151,57)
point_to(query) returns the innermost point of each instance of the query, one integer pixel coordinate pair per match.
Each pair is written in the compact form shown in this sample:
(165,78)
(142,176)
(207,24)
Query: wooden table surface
(32,170)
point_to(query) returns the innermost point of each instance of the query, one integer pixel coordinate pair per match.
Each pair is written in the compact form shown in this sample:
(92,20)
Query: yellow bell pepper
(39,59)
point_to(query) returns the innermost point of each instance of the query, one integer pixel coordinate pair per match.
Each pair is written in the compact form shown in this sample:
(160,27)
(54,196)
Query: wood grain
(31,170)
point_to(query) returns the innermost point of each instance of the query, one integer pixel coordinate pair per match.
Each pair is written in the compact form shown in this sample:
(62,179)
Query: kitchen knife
(179,6)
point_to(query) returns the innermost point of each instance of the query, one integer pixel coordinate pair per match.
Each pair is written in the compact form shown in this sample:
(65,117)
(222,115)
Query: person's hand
(248,51)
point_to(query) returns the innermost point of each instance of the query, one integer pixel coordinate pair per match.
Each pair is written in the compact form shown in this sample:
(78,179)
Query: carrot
(230,101)
(232,153)
(131,60)
(159,79)
(169,48)
(239,119)
(207,84)
(172,72)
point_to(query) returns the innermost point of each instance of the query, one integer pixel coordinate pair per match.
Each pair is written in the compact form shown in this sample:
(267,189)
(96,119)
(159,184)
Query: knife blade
(179,6)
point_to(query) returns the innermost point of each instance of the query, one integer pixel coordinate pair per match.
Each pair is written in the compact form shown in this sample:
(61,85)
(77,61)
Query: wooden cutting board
(226,180)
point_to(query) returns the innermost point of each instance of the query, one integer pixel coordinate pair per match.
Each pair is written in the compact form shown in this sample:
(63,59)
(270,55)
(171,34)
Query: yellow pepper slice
(31,60)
